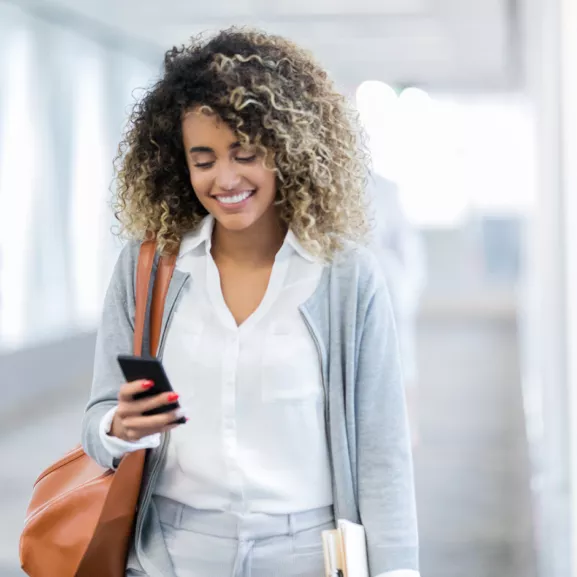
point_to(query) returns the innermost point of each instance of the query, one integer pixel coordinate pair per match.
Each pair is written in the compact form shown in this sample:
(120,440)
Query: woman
(278,334)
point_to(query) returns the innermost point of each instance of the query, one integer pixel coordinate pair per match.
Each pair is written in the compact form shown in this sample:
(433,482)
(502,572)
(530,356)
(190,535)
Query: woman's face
(230,180)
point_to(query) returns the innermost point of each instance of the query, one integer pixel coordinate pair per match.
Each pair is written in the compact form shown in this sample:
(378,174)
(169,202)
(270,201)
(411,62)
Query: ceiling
(440,44)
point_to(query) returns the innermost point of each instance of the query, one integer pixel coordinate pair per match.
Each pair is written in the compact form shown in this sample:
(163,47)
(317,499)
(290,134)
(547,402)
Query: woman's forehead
(199,129)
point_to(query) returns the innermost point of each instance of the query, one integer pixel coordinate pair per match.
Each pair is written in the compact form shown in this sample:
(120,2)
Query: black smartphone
(136,368)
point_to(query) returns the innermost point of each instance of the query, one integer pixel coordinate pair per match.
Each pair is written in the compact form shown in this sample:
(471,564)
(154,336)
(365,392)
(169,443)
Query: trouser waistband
(242,526)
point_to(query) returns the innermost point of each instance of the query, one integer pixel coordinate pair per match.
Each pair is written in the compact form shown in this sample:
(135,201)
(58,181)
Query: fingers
(135,434)
(136,427)
(128,390)
(131,421)
(133,408)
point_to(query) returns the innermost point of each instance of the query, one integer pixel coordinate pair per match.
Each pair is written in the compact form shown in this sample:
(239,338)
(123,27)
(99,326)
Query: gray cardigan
(350,319)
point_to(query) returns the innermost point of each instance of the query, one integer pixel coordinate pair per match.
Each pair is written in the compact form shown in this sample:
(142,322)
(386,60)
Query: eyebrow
(197,149)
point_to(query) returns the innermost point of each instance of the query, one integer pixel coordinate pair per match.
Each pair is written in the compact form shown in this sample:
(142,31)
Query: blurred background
(471,111)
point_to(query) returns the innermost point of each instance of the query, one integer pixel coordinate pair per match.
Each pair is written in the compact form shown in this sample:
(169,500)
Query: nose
(227,177)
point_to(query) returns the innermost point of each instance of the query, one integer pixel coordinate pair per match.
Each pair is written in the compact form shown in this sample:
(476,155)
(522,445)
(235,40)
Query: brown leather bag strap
(143,277)
(161,284)
(160,290)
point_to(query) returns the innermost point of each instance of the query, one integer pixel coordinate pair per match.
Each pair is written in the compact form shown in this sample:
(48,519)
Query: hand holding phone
(147,403)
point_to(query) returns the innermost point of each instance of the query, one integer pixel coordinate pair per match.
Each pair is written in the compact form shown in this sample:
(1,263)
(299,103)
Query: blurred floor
(471,465)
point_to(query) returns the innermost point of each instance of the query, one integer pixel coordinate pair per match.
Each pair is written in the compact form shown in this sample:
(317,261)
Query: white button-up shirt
(256,439)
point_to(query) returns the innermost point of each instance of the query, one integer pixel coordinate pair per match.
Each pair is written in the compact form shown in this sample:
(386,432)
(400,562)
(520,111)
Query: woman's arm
(385,469)
(115,336)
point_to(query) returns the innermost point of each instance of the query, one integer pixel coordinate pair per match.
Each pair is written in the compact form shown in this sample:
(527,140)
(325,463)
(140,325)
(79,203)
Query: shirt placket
(230,429)
(230,366)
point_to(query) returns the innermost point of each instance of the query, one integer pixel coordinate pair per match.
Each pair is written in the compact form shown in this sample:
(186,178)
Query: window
(90,182)
(18,179)
(450,156)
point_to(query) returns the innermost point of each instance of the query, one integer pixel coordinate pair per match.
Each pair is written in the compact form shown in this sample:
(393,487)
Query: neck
(255,246)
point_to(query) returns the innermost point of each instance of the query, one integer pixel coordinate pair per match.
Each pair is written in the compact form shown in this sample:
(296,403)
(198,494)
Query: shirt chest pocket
(290,366)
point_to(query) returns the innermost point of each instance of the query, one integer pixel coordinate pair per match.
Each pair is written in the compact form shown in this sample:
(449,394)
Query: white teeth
(234,199)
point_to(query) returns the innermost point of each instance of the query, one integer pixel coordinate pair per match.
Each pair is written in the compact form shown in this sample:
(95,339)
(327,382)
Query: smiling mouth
(232,199)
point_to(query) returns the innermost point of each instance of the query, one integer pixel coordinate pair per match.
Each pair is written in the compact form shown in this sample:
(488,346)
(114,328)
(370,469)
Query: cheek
(200,183)
(267,182)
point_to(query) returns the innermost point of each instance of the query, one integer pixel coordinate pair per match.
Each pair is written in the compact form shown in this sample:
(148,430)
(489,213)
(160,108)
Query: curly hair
(273,95)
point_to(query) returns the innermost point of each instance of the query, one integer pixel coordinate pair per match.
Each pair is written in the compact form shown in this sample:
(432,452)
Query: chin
(235,222)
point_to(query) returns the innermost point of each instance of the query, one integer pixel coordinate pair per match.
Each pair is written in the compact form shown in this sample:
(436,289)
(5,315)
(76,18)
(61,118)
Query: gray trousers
(222,544)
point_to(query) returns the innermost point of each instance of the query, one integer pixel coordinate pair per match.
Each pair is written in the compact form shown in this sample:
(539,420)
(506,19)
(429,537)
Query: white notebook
(345,550)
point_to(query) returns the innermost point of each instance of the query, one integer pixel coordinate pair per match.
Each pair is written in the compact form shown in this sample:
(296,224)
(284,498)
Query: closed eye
(246,159)
(203,164)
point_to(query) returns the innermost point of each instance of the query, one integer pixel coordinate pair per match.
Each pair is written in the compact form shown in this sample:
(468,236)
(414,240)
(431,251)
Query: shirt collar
(203,234)
(292,241)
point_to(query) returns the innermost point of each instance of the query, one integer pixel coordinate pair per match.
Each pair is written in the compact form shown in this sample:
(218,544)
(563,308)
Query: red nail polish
(172,397)
(147,384)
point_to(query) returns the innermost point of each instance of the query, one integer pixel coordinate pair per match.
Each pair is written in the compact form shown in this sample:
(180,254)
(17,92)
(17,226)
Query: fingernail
(147,384)
(172,397)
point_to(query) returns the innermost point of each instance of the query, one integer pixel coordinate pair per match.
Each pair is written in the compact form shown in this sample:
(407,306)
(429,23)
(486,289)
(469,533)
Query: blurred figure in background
(400,252)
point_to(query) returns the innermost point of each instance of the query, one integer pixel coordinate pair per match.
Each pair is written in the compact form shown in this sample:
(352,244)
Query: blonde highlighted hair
(273,95)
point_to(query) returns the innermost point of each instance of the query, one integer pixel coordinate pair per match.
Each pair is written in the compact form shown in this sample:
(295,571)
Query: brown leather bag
(81,517)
